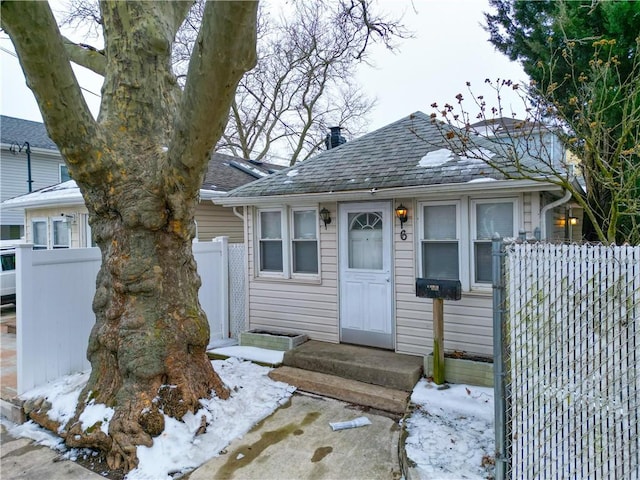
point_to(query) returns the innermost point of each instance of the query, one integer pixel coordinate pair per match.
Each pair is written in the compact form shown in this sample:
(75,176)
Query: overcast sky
(449,48)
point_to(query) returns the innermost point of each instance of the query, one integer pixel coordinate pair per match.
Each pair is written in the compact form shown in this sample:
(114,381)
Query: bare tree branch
(86,56)
(223,54)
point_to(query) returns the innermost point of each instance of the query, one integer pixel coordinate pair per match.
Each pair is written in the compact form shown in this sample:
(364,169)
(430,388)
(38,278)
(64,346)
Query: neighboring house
(328,257)
(29,161)
(532,139)
(56,217)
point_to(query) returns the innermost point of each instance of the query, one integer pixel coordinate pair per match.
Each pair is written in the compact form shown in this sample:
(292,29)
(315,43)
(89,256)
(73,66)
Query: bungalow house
(336,242)
(56,217)
(29,161)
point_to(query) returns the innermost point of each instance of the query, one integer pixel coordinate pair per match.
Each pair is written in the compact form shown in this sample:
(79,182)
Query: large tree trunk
(148,346)
(140,167)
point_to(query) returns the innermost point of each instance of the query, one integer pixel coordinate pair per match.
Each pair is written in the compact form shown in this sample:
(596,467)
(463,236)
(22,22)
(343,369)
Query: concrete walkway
(297,442)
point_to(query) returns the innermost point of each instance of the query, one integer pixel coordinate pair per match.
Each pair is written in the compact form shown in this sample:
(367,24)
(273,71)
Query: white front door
(366,274)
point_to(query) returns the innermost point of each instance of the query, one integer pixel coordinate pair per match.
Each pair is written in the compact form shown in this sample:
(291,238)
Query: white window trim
(466,232)
(44,220)
(286,235)
(283,236)
(290,241)
(462,254)
(60,167)
(474,202)
(52,245)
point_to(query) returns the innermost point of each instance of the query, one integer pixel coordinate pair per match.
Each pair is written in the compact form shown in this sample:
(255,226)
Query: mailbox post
(438,290)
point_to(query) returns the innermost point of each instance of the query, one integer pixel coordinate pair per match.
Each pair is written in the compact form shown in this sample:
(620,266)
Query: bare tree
(303,82)
(599,126)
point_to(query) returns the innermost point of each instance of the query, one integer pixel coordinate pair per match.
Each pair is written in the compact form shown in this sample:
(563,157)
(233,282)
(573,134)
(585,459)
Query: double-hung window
(40,234)
(455,237)
(271,234)
(440,241)
(60,233)
(304,244)
(489,217)
(287,242)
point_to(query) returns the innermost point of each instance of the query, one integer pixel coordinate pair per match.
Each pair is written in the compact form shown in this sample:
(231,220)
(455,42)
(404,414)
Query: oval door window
(365,241)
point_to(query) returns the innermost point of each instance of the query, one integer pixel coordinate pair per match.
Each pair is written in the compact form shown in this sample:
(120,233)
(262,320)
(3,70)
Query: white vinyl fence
(572,361)
(55,290)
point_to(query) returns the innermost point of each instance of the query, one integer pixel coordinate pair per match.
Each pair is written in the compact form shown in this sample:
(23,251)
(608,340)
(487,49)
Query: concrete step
(11,409)
(7,327)
(368,365)
(352,391)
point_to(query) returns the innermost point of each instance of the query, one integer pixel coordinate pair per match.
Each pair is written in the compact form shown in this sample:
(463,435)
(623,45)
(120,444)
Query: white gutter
(210,194)
(546,208)
(387,193)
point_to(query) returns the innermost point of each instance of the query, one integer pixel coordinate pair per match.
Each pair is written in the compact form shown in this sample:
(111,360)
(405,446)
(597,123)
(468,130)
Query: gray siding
(45,171)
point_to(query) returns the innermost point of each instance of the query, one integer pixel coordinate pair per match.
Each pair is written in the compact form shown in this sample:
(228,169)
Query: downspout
(546,208)
(238,214)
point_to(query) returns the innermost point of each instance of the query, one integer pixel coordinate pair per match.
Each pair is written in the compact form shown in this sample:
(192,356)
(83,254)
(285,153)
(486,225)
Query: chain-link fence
(237,295)
(570,337)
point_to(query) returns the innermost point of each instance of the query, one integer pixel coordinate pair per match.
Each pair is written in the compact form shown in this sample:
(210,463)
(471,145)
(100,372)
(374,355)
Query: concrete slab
(23,460)
(297,442)
(352,391)
(369,365)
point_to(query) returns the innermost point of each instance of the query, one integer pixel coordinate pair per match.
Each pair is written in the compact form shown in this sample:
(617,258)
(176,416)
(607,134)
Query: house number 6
(403,234)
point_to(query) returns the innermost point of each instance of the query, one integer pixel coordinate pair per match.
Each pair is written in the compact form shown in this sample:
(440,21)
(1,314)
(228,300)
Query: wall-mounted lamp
(401,213)
(68,217)
(325,215)
(573,221)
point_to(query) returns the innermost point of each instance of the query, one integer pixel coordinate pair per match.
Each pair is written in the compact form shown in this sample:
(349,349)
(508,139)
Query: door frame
(344,208)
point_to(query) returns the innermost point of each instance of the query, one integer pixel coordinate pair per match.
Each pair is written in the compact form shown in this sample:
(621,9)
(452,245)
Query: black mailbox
(436,288)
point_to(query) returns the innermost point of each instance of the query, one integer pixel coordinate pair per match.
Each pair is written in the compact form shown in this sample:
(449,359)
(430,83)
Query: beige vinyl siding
(468,323)
(77,231)
(297,306)
(217,221)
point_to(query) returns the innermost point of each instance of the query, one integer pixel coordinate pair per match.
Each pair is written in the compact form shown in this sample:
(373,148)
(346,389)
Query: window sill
(274,279)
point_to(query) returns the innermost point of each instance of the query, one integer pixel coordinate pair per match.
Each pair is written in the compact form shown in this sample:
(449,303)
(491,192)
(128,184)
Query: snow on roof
(59,194)
(67,193)
(436,158)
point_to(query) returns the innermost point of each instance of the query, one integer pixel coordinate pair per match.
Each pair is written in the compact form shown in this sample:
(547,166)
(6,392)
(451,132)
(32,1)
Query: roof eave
(388,193)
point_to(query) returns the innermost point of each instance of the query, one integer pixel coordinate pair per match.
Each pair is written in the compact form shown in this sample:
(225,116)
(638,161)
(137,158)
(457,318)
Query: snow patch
(483,179)
(292,173)
(436,158)
(263,355)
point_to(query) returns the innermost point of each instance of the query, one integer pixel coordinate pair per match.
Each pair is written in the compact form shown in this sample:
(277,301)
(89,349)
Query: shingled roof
(409,152)
(17,130)
(224,172)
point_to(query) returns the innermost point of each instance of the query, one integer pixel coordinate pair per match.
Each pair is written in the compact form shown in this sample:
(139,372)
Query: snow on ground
(255,354)
(450,432)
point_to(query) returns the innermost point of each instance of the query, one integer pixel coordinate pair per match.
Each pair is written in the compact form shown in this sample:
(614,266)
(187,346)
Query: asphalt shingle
(386,158)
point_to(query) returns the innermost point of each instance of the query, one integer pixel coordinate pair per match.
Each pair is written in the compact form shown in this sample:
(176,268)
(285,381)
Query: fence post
(224,282)
(497,255)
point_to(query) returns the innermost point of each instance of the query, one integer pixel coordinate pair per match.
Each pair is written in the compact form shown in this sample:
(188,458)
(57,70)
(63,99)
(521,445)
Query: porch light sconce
(573,221)
(68,217)
(325,215)
(401,213)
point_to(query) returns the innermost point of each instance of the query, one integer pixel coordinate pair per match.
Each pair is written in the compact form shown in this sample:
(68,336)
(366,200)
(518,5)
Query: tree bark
(140,167)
